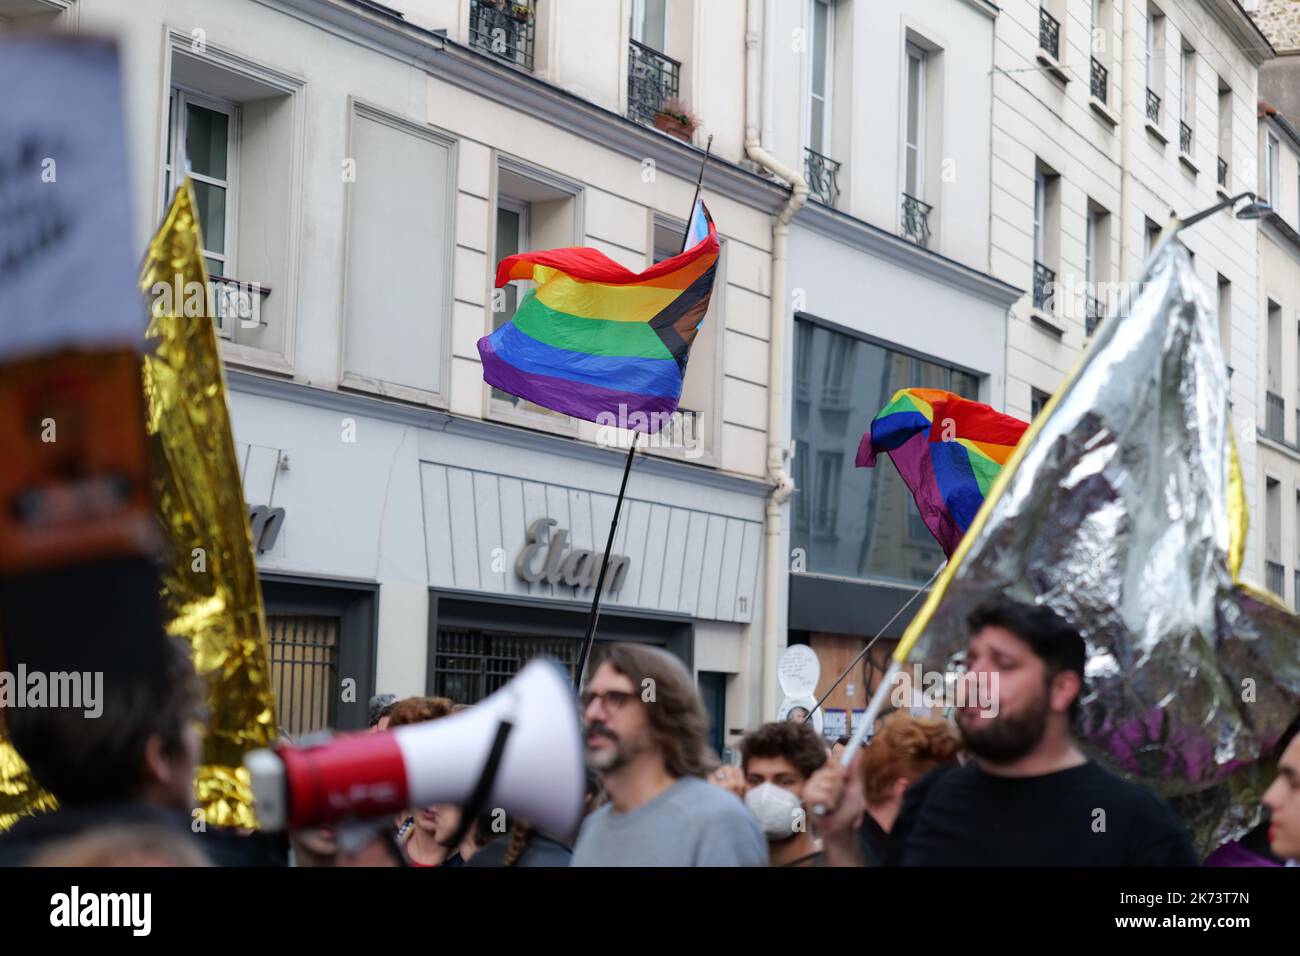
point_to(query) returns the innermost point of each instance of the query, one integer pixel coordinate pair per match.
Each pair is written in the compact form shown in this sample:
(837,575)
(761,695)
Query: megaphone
(519,750)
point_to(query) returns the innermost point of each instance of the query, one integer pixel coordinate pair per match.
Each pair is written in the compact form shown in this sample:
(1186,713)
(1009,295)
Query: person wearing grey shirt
(646,731)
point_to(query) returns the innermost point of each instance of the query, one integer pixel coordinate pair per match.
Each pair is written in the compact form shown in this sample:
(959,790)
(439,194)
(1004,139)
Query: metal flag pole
(589,639)
(854,663)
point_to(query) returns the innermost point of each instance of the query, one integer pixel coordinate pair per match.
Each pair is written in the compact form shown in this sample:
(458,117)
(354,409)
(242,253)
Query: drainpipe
(774,609)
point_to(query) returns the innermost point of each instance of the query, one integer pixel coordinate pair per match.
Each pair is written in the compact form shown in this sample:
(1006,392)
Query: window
(914,132)
(1271,178)
(1187,100)
(1225,320)
(1047,231)
(1155,66)
(1273,527)
(1037,402)
(819,84)
(1151,232)
(1096,265)
(649,23)
(1225,134)
(535,209)
(203,135)
(398,293)
(859,522)
(238,126)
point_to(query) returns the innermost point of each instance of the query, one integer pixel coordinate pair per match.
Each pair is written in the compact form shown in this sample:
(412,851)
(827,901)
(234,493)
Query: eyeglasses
(610,699)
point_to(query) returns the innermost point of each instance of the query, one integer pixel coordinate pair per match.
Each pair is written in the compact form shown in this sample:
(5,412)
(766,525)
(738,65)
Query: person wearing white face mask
(776,761)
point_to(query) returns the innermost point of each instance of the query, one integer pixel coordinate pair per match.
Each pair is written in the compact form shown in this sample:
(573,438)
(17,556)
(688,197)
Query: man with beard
(1030,797)
(646,730)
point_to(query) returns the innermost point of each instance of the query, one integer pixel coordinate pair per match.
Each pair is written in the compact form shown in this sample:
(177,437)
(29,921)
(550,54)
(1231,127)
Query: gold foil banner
(20,794)
(211,596)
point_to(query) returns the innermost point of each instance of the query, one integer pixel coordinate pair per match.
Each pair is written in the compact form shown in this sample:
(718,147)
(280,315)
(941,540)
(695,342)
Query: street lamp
(1252,210)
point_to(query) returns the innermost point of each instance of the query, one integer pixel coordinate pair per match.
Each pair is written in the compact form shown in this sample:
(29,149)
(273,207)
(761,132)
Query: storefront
(409,551)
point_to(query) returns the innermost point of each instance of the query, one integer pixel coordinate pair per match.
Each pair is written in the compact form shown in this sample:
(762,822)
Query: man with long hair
(646,730)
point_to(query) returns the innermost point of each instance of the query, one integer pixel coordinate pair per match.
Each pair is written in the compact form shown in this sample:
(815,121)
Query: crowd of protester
(1004,786)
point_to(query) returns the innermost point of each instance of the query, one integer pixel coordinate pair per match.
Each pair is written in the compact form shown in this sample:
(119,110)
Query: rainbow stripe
(597,341)
(947,449)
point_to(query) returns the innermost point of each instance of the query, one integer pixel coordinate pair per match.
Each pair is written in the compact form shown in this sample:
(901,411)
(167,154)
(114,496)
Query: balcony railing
(504,29)
(1098,81)
(1044,287)
(1275,578)
(1049,33)
(1094,312)
(1184,137)
(821,173)
(1153,107)
(1274,414)
(651,79)
(916,220)
(1223,172)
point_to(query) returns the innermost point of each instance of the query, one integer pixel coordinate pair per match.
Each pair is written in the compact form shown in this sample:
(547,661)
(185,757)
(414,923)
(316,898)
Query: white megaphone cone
(519,750)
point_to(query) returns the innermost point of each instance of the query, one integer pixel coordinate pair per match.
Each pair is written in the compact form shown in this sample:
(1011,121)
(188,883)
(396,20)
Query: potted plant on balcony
(522,12)
(676,119)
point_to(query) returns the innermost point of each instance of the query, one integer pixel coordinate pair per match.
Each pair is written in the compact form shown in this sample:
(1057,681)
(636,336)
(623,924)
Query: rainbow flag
(599,342)
(947,449)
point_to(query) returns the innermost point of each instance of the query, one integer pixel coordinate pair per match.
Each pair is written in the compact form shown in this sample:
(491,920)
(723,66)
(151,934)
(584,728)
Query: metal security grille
(304,651)
(473,663)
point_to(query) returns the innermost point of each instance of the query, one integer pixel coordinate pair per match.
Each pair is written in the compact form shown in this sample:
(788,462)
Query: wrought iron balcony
(1184,137)
(1275,577)
(503,29)
(1153,107)
(1274,414)
(1044,287)
(1223,172)
(1049,33)
(916,220)
(651,79)
(1094,312)
(821,173)
(1099,81)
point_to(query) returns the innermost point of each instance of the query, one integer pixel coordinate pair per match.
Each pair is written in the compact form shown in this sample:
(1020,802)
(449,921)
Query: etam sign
(543,558)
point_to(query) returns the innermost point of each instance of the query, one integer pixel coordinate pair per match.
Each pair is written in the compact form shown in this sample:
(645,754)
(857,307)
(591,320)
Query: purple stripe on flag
(912,459)
(581,400)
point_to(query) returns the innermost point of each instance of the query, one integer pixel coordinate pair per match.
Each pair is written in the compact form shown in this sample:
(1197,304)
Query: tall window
(1040,214)
(1225,133)
(914,132)
(512,239)
(1155,61)
(858,522)
(203,132)
(1271,178)
(1187,98)
(649,23)
(819,83)
(1037,401)
(1225,319)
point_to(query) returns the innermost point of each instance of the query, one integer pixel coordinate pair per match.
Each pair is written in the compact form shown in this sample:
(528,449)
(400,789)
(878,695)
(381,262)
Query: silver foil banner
(1123,511)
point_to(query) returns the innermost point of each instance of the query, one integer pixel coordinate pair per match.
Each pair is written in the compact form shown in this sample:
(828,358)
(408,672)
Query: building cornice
(1250,38)
(875,241)
(350,403)
(1280,231)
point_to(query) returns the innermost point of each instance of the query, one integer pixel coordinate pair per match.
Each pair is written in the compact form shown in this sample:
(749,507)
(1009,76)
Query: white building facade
(361,168)
(884,109)
(1108,116)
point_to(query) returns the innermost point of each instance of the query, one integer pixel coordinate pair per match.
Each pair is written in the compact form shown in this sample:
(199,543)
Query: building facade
(1109,116)
(360,168)
(883,107)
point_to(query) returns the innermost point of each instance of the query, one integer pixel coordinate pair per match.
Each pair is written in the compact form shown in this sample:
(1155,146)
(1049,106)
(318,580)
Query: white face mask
(778,810)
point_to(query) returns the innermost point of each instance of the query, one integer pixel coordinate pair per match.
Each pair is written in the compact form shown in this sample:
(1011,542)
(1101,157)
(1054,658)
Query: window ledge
(1046,322)
(1102,110)
(1223,193)
(390,391)
(1053,66)
(1157,132)
(245,356)
(500,411)
(1187,161)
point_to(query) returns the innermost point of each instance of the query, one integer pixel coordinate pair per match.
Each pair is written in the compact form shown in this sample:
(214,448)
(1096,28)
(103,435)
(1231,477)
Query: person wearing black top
(1031,797)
